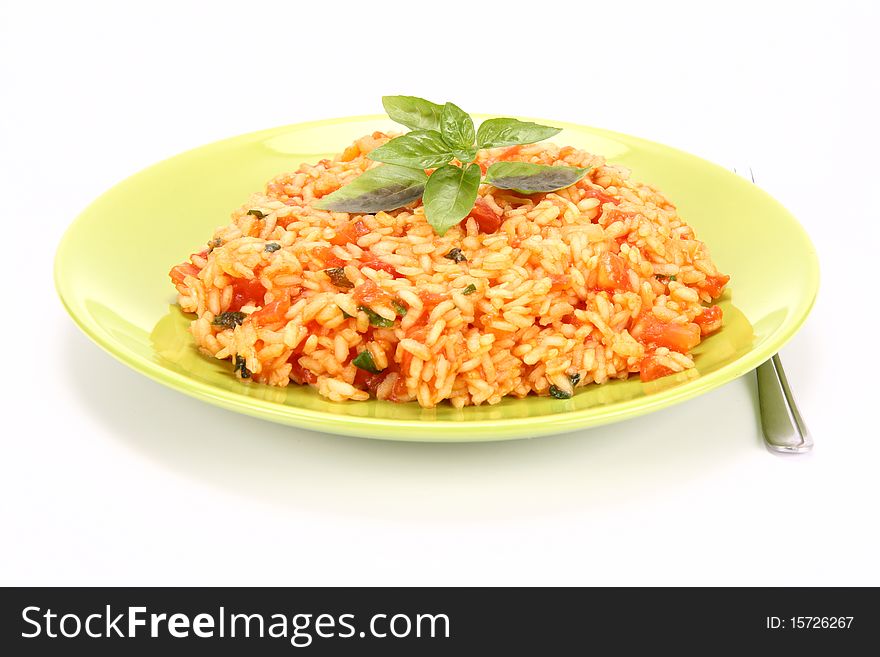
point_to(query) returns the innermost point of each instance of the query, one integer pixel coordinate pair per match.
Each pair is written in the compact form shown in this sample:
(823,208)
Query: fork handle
(784,428)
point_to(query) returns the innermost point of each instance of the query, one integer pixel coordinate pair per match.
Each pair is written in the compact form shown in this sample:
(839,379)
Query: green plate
(111,271)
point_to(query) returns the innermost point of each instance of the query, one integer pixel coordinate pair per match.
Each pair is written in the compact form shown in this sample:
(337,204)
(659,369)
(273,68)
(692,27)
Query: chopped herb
(399,308)
(661,277)
(338,277)
(455,255)
(214,243)
(376,319)
(364,361)
(257,214)
(470,289)
(241,368)
(559,393)
(346,315)
(574,378)
(671,278)
(229,320)
(271,247)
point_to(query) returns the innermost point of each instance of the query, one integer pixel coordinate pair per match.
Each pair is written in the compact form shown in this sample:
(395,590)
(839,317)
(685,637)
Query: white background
(109,478)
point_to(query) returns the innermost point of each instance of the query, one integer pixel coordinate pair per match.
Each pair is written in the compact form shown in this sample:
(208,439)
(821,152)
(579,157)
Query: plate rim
(444,431)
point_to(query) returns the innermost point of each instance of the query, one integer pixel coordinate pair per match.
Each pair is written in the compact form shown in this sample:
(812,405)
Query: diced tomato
(330,259)
(271,313)
(487,221)
(431,299)
(591,192)
(709,320)
(364,379)
(374,263)
(352,232)
(612,273)
(301,374)
(560,281)
(714,285)
(246,292)
(649,330)
(398,392)
(181,271)
(650,369)
(509,153)
(368,293)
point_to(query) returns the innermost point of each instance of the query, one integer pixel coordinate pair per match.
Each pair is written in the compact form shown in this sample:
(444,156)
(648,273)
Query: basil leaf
(470,289)
(510,132)
(529,178)
(420,149)
(457,127)
(399,308)
(465,155)
(415,113)
(364,361)
(450,194)
(384,188)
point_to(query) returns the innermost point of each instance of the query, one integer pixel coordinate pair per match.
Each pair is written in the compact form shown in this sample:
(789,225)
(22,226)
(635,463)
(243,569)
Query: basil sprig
(441,134)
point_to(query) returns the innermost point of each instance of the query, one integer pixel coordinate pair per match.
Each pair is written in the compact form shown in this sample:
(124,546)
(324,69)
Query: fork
(781,422)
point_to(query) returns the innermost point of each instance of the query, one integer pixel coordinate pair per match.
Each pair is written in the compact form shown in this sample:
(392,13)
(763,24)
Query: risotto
(529,294)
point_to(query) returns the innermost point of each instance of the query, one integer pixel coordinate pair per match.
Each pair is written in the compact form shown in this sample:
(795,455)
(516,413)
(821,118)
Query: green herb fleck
(338,277)
(399,308)
(456,255)
(559,393)
(241,368)
(376,319)
(257,214)
(364,361)
(470,289)
(214,243)
(661,278)
(271,247)
(345,314)
(229,319)
(574,378)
